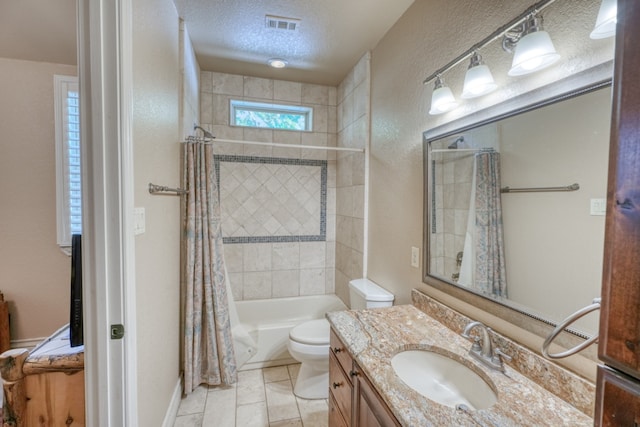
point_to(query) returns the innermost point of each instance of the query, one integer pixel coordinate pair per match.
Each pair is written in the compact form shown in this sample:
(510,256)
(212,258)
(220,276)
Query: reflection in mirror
(538,250)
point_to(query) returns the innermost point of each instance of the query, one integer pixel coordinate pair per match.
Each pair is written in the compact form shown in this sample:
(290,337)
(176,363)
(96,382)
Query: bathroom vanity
(353,401)
(365,389)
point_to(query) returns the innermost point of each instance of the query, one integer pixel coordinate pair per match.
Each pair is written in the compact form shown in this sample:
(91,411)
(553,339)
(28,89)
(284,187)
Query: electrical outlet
(415,257)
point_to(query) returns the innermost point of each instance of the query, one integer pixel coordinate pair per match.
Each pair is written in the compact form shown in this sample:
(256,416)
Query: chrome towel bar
(161,189)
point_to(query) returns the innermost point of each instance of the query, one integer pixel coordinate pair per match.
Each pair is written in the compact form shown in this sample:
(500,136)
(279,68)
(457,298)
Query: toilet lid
(313,332)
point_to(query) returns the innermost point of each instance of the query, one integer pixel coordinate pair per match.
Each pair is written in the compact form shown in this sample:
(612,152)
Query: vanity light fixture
(534,49)
(524,34)
(277,63)
(478,81)
(442,99)
(606,21)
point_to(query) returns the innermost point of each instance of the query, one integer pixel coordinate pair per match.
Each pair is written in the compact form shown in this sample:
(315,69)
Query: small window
(68,170)
(271,116)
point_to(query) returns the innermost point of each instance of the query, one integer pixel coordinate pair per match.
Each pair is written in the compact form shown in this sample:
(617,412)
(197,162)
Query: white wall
(34,273)
(156,124)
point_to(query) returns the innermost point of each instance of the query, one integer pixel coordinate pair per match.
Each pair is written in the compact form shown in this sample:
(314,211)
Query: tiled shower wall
(280,264)
(453,176)
(353,132)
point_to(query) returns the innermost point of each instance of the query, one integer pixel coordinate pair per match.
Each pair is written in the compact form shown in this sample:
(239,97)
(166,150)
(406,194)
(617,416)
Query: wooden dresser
(5,337)
(44,387)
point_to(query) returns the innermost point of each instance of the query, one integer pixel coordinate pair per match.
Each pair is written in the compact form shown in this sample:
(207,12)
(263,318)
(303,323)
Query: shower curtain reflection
(484,247)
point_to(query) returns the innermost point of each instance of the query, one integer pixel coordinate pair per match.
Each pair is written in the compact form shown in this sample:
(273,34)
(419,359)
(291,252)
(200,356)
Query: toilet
(309,341)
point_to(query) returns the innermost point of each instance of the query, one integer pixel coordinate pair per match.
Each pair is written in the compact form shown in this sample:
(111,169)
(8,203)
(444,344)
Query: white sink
(442,379)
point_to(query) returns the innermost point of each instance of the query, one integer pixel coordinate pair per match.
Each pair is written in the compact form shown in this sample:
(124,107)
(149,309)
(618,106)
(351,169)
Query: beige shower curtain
(208,344)
(490,271)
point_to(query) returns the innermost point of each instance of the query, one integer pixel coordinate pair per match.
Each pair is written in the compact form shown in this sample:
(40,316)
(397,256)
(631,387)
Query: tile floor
(261,398)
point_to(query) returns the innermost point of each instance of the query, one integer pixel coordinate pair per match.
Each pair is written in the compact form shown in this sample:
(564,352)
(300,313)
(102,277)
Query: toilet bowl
(309,344)
(309,341)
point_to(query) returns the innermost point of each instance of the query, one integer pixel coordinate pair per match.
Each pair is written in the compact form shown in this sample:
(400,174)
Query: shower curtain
(490,270)
(209,356)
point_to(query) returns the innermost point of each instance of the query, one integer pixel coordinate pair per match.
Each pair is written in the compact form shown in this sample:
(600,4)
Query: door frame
(105,72)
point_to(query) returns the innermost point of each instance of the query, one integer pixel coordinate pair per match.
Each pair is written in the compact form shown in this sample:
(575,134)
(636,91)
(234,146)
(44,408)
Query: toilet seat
(313,332)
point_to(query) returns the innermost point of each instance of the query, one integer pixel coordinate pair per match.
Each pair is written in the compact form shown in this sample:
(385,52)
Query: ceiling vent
(281,23)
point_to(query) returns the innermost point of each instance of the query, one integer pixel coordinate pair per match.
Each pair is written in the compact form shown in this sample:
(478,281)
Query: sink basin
(443,379)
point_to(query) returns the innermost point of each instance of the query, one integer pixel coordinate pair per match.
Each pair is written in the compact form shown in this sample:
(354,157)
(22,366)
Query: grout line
(264,383)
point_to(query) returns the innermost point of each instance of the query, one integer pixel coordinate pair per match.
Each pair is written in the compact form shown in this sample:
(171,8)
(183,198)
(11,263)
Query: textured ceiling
(231,35)
(228,35)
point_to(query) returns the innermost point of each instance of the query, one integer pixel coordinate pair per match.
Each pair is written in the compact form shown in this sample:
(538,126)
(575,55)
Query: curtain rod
(191,139)
(537,7)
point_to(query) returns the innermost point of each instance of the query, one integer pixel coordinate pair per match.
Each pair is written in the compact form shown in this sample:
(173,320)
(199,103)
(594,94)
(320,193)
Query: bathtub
(268,322)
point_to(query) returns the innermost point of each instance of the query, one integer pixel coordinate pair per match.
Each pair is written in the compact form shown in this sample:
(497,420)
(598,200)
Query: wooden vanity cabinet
(369,408)
(353,401)
(618,383)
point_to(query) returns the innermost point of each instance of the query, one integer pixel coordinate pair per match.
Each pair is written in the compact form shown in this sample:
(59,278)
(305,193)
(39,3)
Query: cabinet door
(340,388)
(335,416)
(619,343)
(371,411)
(617,400)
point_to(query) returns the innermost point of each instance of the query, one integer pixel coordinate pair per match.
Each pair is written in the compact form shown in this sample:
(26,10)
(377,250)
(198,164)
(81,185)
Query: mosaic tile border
(322,164)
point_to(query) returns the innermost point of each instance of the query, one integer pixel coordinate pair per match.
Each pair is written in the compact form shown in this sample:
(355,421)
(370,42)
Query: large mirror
(515,204)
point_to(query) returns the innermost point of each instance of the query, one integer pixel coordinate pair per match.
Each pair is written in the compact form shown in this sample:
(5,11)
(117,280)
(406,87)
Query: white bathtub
(268,322)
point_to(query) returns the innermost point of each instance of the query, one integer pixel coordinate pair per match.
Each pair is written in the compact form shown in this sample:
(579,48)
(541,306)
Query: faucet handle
(475,340)
(500,355)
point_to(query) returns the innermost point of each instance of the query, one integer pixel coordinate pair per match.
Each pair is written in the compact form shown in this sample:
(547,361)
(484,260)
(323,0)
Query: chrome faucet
(484,353)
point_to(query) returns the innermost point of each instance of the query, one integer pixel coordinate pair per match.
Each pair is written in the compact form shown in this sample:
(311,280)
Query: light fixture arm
(519,21)
(531,24)
(511,38)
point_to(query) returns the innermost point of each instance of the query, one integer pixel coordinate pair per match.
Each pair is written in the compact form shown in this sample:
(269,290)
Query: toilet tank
(366,294)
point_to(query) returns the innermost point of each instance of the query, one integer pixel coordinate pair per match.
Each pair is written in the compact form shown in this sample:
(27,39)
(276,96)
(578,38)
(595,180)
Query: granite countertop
(374,336)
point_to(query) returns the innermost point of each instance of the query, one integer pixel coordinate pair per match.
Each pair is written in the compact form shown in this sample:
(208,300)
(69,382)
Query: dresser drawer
(340,387)
(339,350)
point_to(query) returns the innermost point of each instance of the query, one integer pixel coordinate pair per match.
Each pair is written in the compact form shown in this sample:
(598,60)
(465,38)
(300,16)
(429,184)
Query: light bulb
(277,63)
(534,51)
(442,99)
(478,80)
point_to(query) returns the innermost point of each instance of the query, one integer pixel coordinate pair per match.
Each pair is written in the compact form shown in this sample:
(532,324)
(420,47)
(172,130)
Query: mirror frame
(572,86)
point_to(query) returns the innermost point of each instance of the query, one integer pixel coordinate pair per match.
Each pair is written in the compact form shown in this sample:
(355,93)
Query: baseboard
(174,404)
(28,343)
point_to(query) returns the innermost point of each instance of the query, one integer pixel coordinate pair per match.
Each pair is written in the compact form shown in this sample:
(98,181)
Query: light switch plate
(415,257)
(138,221)
(598,207)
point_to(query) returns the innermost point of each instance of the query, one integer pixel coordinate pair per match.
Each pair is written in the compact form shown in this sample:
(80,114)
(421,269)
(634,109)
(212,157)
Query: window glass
(68,167)
(271,116)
